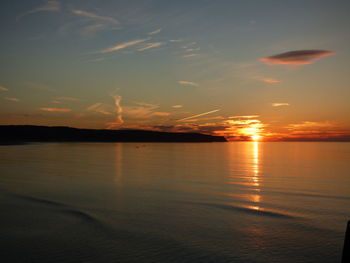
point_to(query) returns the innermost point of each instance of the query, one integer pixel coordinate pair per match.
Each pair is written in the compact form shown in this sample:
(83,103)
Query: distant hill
(29,133)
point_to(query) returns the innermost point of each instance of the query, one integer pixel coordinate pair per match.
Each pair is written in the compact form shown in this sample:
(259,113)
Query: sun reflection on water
(255,176)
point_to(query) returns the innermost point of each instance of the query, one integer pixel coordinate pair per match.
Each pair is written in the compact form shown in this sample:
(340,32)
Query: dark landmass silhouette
(30,133)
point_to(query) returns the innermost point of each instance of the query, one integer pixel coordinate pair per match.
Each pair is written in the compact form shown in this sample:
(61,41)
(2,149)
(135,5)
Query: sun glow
(256,137)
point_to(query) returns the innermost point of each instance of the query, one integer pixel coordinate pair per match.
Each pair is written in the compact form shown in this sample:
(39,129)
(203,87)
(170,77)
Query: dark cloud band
(297,57)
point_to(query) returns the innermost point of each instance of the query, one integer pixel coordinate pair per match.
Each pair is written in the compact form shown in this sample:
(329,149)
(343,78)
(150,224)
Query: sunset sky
(275,69)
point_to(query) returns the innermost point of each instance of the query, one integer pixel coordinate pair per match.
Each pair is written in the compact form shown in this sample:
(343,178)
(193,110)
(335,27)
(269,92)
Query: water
(174,202)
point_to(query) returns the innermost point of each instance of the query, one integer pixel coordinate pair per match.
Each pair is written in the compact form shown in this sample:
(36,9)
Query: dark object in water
(346,249)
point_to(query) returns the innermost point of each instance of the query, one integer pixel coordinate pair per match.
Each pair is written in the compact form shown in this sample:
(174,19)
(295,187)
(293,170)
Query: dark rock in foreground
(29,133)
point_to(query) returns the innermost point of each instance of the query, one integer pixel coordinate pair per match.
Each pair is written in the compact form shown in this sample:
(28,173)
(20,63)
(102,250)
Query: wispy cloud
(91,29)
(144,110)
(190,55)
(316,130)
(177,106)
(12,99)
(297,57)
(56,109)
(122,46)
(198,115)
(188,83)
(119,111)
(155,32)
(94,16)
(175,40)
(49,6)
(151,45)
(95,22)
(2,88)
(279,104)
(244,117)
(205,119)
(311,124)
(94,106)
(190,50)
(99,108)
(272,81)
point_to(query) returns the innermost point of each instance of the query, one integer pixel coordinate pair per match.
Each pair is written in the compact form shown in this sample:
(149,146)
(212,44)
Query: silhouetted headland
(30,133)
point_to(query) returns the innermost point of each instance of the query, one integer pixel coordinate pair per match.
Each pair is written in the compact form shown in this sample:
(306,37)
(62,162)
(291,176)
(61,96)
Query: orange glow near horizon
(256,137)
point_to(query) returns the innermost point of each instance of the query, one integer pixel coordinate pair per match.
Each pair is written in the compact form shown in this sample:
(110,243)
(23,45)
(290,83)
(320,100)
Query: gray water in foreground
(174,202)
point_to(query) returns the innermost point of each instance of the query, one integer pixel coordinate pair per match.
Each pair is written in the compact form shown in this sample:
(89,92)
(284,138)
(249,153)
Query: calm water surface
(174,202)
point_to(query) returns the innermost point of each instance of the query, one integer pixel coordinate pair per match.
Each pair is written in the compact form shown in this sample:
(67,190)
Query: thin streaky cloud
(192,49)
(151,45)
(104,112)
(279,104)
(55,109)
(143,110)
(198,115)
(122,46)
(206,119)
(188,83)
(91,29)
(190,55)
(94,106)
(96,60)
(297,57)
(177,106)
(12,99)
(175,40)
(155,32)
(99,108)
(49,6)
(244,117)
(272,81)
(2,88)
(94,16)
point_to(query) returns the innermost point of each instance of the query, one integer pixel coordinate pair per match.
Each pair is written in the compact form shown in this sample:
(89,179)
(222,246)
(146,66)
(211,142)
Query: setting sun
(256,137)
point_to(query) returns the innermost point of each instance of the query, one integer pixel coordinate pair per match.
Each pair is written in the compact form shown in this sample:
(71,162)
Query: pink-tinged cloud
(272,81)
(2,88)
(12,99)
(56,109)
(297,57)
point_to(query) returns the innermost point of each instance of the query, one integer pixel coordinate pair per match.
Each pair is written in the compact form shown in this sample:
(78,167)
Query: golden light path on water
(256,197)
(251,179)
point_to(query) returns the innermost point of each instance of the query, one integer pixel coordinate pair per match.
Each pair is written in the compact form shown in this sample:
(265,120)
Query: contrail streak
(201,114)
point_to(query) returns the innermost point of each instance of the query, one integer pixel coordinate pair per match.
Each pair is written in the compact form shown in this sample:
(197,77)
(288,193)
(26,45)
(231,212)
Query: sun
(256,137)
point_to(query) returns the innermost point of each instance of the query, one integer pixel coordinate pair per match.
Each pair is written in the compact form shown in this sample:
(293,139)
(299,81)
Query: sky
(245,69)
